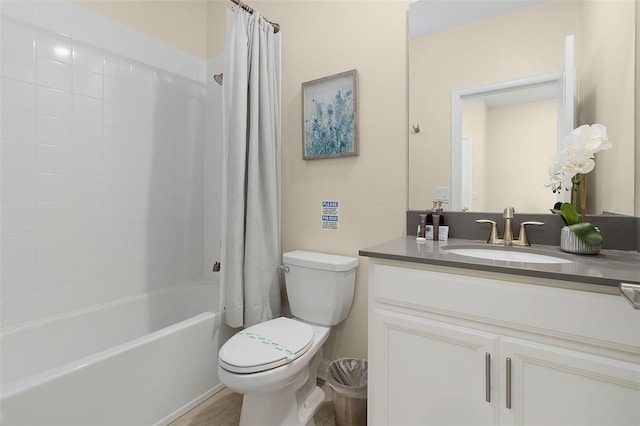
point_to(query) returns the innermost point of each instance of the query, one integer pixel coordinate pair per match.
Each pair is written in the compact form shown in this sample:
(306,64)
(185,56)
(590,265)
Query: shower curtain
(250,252)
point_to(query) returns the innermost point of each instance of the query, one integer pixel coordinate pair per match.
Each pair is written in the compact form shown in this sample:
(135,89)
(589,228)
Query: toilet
(274,364)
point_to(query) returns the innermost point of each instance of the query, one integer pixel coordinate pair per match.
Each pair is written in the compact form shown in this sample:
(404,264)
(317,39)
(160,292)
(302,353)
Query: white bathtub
(142,360)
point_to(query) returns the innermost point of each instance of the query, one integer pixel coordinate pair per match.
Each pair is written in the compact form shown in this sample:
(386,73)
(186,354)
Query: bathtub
(142,360)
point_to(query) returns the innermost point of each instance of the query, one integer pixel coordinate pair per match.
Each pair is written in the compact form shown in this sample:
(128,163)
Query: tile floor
(223,408)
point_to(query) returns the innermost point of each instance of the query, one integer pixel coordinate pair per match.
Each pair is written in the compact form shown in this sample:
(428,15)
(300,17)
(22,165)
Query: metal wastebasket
(347,377)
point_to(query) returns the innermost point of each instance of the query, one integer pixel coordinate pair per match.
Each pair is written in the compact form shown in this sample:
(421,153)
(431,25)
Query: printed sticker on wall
(330,215)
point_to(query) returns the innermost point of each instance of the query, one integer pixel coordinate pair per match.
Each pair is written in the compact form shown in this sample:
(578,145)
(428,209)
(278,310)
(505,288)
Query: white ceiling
(427,16)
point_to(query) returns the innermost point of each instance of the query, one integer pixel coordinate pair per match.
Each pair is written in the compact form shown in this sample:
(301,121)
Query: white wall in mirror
(520,43)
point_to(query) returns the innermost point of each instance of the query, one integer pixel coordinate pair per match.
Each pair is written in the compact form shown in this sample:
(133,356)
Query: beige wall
(604,97)
(321,38)
(180,23)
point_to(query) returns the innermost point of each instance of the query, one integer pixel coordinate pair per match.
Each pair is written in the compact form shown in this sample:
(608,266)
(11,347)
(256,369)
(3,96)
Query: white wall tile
(116,67)
(88,188)
(18,94)
(17,308)
(87,83)
(18,156)
(54,300)
(91,292)
(87,109)
(54,272)
(54,159)
(19,217)
(19,247)
(87,58)
(18,125)
(57,243)
(18,186)
(83,176)
(87,161)
(88,240)
(54,215)
(54,102)
(54,74)
(53,130)
(17,37)
(54,187)
(17,64)
(18,277)
(56,48)
(88,266)
(88,214)
(87,135)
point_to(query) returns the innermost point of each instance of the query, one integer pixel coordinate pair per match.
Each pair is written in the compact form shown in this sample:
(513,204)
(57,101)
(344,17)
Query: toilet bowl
(274,364)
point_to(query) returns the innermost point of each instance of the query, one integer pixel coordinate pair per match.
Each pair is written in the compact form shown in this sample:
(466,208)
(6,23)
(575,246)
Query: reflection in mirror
(508,46)
(483,120)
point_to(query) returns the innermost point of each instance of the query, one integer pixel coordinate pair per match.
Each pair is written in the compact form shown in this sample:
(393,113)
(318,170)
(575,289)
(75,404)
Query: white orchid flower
(576,155)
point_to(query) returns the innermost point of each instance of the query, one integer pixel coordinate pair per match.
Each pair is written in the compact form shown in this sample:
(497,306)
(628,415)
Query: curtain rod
(276,27)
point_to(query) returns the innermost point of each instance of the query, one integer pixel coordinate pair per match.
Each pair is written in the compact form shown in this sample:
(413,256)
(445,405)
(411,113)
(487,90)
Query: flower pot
(570,243)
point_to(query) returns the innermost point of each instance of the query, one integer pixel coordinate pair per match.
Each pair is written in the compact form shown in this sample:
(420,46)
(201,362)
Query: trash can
(347,377)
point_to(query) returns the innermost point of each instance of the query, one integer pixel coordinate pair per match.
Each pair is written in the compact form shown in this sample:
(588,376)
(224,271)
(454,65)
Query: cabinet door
(555,386)
(424,372)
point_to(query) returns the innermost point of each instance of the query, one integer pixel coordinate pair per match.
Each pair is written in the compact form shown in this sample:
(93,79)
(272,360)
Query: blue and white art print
(330,116)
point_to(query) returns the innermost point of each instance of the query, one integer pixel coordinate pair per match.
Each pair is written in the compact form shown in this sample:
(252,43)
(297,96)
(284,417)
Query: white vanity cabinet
(447,346)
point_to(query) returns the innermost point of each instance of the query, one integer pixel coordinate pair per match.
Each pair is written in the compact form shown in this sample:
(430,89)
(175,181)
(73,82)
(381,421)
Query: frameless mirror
(463,56)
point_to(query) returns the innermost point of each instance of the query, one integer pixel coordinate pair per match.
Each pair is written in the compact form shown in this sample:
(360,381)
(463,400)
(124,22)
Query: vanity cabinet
(447,346)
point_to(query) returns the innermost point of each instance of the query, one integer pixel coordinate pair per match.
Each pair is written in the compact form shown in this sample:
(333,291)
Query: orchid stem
(583,198)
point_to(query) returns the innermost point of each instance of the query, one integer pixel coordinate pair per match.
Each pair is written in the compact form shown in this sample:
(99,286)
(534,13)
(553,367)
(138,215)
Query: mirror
(458,46)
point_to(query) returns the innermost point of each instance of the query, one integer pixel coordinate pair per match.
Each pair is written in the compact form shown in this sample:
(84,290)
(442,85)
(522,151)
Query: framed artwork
(330,116)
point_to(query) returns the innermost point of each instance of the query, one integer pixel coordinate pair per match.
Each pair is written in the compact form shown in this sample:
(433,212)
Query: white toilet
(274,363)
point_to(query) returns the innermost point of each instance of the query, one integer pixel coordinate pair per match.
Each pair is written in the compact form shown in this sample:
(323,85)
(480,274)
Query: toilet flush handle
(285,268)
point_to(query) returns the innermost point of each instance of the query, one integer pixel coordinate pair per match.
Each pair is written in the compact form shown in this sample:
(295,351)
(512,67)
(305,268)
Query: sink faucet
(508,240)
(507,215)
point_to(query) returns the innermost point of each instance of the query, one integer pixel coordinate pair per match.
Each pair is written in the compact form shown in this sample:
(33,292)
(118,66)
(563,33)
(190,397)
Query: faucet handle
(493,238)
(523,240)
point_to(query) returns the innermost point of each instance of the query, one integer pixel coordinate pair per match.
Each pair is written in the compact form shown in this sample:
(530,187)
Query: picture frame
(330,116)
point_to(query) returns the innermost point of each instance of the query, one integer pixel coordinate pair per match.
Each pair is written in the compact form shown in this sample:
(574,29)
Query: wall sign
(330,216)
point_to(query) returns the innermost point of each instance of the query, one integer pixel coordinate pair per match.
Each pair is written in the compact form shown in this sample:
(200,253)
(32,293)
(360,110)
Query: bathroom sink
(506,254)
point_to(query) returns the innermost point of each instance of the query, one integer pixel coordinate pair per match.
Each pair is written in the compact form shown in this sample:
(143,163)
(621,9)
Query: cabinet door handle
(509,383)
(487,377)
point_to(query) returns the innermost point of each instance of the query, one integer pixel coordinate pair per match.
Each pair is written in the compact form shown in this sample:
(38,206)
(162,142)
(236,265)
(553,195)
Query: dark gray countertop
(609,268)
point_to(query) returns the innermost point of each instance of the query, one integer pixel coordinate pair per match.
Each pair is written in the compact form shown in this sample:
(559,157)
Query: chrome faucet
(508,240)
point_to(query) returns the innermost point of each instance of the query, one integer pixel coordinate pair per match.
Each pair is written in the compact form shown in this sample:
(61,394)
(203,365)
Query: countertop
(608,268)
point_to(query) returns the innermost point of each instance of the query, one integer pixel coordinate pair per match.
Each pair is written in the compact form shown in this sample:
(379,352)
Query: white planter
(570,243)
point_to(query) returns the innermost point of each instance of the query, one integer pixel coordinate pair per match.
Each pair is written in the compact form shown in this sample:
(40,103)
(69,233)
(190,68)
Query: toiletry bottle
(423,225)
(436,225)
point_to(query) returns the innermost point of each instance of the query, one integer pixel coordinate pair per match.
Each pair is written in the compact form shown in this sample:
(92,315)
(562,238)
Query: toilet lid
(265,346)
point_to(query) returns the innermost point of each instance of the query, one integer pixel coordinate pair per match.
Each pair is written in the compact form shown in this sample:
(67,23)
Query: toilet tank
(319,286)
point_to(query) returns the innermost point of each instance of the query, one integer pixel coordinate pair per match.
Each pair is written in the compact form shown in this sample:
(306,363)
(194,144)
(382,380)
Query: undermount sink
(505,254)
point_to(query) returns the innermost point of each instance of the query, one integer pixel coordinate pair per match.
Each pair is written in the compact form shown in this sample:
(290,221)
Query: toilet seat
(266,346)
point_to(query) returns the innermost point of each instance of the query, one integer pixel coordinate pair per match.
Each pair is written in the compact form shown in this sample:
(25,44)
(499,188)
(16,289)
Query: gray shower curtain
(250,252)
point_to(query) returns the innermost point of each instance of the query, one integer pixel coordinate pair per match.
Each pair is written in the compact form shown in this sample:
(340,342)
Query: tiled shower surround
(103,151)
